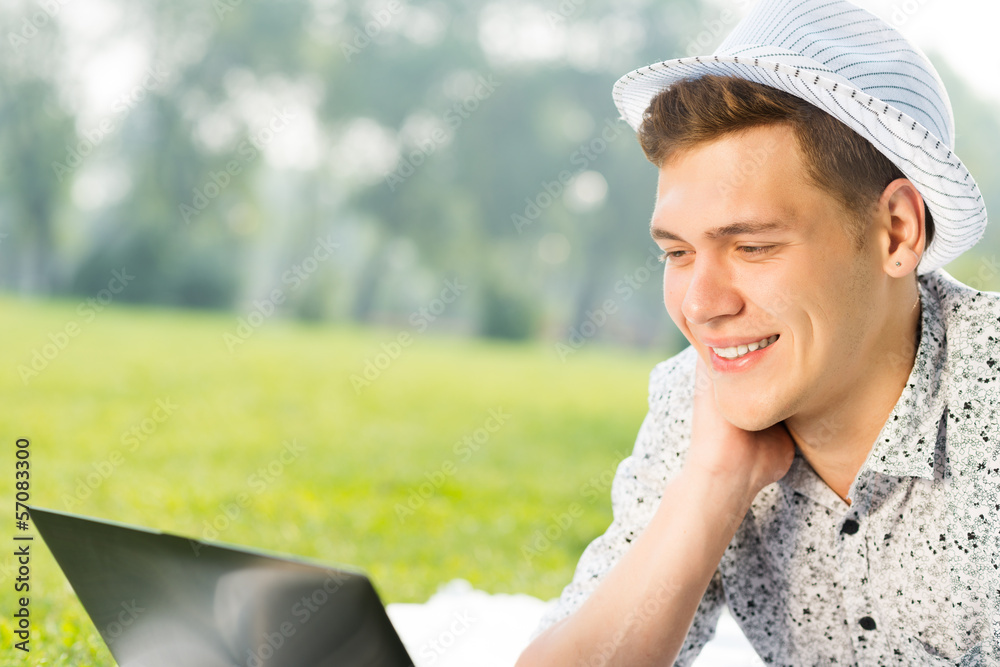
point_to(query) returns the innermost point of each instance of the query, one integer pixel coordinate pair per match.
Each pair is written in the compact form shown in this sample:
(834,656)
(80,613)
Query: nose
(710,292)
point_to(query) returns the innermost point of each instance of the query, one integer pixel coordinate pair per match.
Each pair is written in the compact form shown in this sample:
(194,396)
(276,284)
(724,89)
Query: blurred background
(469,141)
(406,240)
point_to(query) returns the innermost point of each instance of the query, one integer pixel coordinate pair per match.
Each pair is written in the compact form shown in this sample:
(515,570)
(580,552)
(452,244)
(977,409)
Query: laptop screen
(161,600)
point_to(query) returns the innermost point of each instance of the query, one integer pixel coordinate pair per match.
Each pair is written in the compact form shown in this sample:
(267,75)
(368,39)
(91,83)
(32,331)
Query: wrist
(725,497)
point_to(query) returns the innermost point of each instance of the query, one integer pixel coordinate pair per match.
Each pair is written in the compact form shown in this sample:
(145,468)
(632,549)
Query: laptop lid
(161,600)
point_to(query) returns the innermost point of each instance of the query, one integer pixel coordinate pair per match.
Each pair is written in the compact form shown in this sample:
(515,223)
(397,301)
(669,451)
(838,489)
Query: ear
(903,211)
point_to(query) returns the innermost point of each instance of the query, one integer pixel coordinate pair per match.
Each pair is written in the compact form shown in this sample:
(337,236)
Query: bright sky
(963,32)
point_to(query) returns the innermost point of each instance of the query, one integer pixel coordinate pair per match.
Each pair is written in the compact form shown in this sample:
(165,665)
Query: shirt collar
(801,478)
(905,446)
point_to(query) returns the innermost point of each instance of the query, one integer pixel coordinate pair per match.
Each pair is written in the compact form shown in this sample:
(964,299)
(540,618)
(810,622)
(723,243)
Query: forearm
(641,612)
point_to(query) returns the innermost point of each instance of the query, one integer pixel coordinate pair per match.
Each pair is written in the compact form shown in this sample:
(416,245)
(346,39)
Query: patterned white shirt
(909,573)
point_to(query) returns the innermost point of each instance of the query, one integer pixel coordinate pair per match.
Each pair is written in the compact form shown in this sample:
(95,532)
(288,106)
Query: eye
(755,250)
(671,254)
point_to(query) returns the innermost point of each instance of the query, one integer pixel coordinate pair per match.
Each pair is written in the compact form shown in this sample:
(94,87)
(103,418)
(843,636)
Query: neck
(837,440)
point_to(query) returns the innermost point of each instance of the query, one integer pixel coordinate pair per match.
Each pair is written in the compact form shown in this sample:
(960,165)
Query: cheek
(780,296)
(778,303)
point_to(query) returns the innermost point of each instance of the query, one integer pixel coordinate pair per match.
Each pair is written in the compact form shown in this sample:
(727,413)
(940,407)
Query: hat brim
(948,189)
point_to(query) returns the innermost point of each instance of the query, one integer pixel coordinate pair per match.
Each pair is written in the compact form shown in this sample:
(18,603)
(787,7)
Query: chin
(749,417)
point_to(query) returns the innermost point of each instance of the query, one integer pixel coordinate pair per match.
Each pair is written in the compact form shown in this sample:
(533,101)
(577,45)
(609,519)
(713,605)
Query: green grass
(365,454)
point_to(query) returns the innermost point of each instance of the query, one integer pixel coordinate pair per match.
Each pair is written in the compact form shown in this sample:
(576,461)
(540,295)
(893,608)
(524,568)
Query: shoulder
(971,317)
(970,322)
(671,382)
(971,375)
(666,431)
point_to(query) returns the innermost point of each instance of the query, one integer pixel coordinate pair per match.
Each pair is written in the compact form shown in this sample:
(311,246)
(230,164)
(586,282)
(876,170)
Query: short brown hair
(838,159)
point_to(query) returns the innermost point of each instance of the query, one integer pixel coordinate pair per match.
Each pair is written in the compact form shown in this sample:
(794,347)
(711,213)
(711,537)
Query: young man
(824,458)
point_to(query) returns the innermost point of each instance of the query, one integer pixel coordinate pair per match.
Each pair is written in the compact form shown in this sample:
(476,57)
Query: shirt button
(867,622)
(849,528)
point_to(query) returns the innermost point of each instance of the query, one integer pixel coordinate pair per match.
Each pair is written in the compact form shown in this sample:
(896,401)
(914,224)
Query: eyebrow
(726,230)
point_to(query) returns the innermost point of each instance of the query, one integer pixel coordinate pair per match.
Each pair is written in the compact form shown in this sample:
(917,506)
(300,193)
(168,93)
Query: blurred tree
(36,132)
(428,140)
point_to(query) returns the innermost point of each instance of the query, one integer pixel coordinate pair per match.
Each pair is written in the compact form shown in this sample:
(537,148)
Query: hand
(748,459)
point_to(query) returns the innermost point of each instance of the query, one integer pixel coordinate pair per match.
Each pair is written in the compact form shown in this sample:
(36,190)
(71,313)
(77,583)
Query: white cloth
(462,627)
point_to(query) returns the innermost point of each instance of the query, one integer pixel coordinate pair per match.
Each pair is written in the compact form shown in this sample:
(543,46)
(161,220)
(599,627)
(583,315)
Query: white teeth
(740,350)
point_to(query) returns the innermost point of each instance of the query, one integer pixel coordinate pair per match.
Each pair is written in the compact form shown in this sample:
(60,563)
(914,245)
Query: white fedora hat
(861,71)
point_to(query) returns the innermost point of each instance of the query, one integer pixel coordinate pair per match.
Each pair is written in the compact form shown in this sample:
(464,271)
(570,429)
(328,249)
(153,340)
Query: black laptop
(161,600)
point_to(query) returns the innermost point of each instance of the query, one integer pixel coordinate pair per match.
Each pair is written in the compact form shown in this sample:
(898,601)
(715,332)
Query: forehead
(754,175)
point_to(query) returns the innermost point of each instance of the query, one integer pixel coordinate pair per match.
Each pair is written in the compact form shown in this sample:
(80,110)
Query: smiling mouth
(741,350)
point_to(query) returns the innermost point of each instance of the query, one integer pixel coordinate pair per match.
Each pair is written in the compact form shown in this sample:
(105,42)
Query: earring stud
(897,263)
